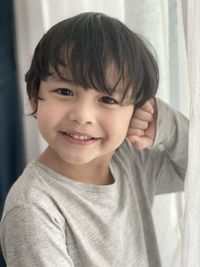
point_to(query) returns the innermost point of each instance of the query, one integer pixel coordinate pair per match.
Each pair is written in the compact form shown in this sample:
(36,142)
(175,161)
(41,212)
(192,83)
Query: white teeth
(80,137)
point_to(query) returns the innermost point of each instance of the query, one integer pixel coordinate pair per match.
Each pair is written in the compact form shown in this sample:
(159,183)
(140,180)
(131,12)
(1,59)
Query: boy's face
(81,125)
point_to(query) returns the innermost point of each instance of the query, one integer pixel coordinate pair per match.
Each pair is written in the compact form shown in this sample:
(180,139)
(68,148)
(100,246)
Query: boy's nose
(82,114)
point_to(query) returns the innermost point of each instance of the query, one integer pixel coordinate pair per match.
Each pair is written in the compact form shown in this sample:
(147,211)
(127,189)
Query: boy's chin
(87,159)
(78,160)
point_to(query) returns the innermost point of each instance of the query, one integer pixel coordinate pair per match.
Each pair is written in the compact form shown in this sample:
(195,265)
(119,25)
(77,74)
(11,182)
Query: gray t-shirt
(50,220)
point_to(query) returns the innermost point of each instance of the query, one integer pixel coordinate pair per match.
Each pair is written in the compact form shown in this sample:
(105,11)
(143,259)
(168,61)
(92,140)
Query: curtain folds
(191,246)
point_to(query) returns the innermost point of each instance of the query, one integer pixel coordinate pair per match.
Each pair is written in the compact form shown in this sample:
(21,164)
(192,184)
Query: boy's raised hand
(142,128)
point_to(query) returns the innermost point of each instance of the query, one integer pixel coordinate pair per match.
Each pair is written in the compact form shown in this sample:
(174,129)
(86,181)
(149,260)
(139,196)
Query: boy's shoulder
(29,189)
(40,186)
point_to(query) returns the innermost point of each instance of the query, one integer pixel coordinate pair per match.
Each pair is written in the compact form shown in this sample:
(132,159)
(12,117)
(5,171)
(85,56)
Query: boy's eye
(64,91)
(108,100)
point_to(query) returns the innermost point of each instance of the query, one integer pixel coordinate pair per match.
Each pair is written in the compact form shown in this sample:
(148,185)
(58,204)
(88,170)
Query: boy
(86,201)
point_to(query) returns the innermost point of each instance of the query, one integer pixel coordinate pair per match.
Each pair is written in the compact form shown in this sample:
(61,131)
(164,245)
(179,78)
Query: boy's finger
(137,132)
(138,124)
(143,115)
(149,106)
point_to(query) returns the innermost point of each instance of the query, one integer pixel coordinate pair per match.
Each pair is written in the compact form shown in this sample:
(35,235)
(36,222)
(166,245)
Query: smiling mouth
(79,138)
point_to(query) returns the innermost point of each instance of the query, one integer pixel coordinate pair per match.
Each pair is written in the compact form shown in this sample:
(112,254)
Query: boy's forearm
(172,133)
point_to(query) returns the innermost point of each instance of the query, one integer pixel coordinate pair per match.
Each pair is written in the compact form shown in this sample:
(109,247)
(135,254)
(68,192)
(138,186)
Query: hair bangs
(82,53)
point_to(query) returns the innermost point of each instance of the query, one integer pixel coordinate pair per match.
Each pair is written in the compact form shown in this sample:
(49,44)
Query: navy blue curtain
(11,139)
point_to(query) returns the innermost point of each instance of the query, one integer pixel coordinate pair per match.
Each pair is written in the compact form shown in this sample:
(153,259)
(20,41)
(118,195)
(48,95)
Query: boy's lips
(79,135)
(79,138)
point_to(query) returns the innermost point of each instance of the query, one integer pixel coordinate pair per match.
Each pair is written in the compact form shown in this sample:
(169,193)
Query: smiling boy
(86,200)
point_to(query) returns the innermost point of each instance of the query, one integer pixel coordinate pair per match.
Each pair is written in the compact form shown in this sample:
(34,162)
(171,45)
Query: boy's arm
(165,137)
(31,237)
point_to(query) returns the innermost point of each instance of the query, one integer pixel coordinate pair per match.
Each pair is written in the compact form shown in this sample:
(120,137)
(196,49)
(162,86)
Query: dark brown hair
(84,46)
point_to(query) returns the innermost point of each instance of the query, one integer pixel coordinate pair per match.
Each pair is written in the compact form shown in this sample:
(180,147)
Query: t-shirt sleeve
(30,236)
(162,167)
(167,159)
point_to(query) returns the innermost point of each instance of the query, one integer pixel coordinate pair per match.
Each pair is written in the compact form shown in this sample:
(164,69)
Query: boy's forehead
(114,77)
(112,73)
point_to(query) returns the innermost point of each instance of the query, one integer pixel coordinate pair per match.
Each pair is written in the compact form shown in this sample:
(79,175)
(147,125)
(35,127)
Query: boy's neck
(96,172)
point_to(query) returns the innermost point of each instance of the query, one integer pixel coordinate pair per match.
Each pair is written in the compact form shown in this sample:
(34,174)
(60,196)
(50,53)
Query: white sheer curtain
(191,248)
(162,23)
